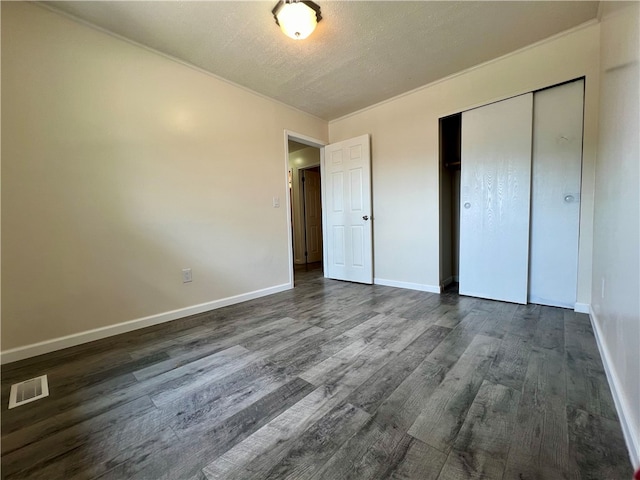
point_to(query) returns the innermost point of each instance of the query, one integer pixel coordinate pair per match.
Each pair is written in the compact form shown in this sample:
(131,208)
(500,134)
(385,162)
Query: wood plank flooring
(332,381)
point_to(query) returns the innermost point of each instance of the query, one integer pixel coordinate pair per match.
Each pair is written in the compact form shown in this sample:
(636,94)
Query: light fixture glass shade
(297,20)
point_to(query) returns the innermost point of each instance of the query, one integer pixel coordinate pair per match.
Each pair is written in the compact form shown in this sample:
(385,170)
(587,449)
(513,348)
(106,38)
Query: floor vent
(28,391)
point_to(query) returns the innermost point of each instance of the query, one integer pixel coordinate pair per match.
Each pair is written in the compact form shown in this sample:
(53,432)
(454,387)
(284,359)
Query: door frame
(312,142)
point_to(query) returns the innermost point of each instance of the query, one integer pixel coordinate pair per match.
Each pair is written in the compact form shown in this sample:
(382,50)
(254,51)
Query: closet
(519,202)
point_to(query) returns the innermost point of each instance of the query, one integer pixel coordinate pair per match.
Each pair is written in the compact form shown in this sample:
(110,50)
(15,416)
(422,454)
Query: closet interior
(450,163)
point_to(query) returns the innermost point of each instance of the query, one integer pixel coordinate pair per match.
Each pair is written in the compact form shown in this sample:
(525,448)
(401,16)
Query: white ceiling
(362,52)
(295,146)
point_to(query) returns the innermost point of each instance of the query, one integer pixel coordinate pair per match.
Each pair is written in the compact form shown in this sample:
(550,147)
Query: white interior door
(312,215)
(495,198)
(555,194)
(348,232)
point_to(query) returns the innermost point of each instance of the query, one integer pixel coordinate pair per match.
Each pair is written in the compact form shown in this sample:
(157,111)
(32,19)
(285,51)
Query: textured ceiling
(362,52)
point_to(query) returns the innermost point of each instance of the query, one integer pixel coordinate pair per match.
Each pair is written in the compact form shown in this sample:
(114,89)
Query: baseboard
(631,435)
(28,351)
(582,308)
(407,285)
(445,283)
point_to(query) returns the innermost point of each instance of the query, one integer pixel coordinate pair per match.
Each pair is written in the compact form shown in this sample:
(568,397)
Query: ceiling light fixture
(297,18)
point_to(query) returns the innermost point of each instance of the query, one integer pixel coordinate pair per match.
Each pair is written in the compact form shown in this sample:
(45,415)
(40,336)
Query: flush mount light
(297,18)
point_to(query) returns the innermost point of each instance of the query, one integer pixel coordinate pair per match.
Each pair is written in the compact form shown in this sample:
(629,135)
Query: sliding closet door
(555,194)
(494,200)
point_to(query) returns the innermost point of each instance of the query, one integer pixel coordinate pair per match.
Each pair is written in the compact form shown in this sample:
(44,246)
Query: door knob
(365,217)
(467,205)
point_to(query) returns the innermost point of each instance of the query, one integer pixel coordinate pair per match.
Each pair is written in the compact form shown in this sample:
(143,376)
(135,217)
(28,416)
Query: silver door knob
(568,198)
(365,217)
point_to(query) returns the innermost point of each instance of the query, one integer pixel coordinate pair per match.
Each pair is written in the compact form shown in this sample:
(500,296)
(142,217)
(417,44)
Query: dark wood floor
(328,381)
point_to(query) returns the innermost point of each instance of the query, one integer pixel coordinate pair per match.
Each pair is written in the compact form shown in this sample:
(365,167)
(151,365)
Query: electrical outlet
(276,202)
(186,275)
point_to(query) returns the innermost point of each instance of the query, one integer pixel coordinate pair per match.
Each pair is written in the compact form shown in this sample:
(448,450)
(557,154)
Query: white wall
(301,159)
(616,245)
(120,167)
(405,150)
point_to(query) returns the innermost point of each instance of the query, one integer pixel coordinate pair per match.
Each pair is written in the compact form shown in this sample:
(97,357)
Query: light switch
(276,202)
(186,275)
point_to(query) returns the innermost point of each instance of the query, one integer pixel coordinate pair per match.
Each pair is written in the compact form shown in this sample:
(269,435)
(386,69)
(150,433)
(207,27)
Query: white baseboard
(631,435)
(582,308)
(407,285)
(59,343)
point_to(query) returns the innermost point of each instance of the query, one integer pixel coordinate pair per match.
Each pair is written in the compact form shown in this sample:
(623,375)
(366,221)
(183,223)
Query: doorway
(305,205)
(345,182)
